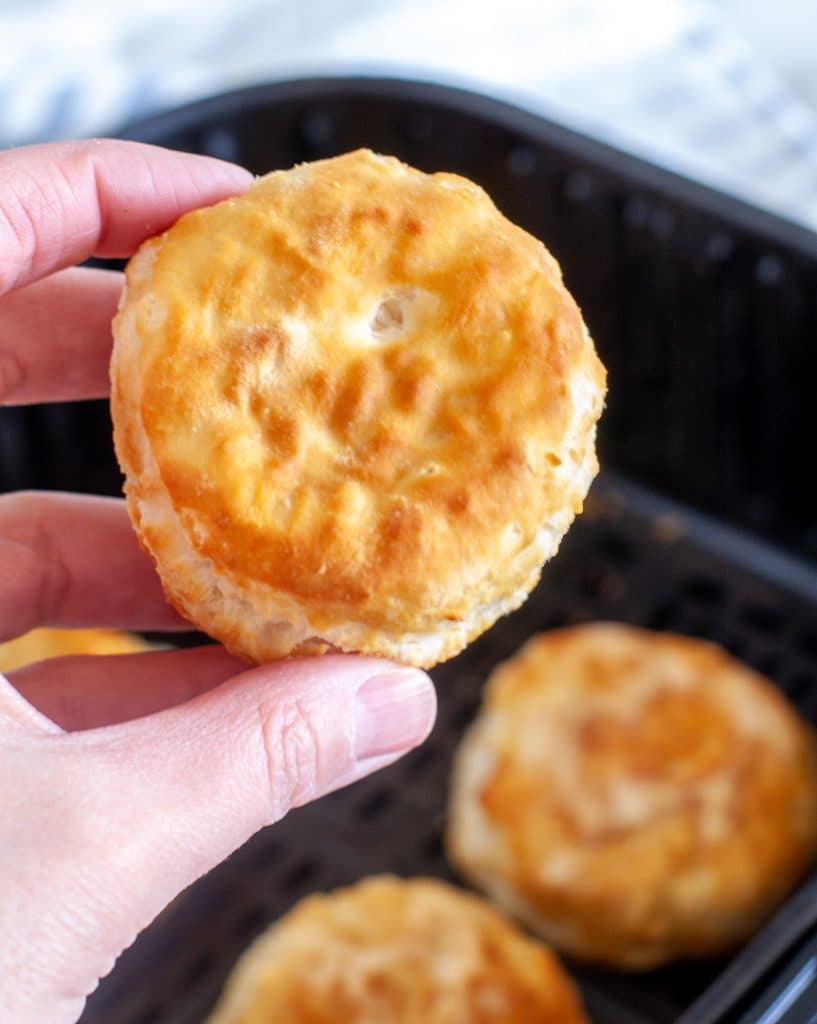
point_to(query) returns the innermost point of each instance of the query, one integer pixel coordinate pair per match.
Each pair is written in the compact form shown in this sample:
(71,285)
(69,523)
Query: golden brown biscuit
(634,796)
(40,644)
(356,409)
(388,951)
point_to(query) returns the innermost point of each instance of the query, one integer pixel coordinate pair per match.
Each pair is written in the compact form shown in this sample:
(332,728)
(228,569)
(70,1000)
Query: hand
(123,779)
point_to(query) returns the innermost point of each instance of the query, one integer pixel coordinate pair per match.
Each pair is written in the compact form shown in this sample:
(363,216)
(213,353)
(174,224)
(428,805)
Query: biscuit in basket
(388,951)
(356,409)
(43,643)
(634,797)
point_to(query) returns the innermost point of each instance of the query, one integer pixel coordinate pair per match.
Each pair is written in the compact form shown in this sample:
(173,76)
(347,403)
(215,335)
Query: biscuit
(40,644)
(397,952)
(355,409)
(634,797)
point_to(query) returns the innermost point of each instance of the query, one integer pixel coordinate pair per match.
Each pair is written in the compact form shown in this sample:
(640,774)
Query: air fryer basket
(631,556)
(704,311)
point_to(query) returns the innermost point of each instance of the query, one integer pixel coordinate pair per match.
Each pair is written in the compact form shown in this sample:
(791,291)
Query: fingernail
(395,711)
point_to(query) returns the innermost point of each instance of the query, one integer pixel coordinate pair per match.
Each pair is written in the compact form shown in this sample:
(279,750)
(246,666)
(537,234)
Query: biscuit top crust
(618,750)
(410,952)
(357,386)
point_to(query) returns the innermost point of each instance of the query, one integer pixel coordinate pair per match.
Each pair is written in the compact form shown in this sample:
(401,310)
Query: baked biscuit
(388,951)
(40,644)
(356,410)
(634,797)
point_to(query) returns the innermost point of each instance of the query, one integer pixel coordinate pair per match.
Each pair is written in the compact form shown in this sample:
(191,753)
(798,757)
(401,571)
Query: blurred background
(725,91)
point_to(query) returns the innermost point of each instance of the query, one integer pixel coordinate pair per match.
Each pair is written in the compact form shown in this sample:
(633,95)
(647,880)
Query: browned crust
(296,458)
(414,952)
(670,805)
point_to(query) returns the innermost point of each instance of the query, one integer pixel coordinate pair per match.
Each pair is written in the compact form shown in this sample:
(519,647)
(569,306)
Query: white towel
(663,78)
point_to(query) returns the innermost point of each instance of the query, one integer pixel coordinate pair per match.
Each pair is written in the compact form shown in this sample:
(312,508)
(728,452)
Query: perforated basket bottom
(631,557)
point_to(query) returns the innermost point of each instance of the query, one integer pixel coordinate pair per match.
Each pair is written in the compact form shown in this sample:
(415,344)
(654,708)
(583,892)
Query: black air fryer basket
(705,313)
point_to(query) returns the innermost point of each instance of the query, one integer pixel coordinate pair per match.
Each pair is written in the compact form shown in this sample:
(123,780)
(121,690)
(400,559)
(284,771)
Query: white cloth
(664,78)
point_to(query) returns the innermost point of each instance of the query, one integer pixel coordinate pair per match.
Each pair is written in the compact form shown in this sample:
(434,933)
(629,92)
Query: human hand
(125,778)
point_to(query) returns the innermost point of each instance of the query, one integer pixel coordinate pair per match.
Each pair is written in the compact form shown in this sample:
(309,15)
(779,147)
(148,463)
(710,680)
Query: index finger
(61,203)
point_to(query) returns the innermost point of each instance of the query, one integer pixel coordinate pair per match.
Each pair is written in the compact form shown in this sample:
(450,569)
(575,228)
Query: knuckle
(32,216)
(292,754)
(17,241)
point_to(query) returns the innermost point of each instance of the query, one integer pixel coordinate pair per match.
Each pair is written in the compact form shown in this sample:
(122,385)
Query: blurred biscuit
(356,409)
(632,796)
(388,951)
(40,644)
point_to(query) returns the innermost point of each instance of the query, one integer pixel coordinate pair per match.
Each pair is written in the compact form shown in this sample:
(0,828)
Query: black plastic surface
(792,996)
(631,556)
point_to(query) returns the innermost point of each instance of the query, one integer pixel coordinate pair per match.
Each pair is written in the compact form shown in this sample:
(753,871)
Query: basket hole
(662,222)
(719,247)
(704,589)
(419,126)
(419,759)
(318,131)
(462,714)
(302,872)
(221,143)
(579,187)
(809,711)
(266,854)
(432,848)
(762,618)
(250,922)
(591,583)
(704,630)
(636,212)
(201,967)
(768,663)
(801,685)
(153,1015)
(807,642)
(556,620)
(663,616)
(521,161)
(602,585)
(734,645)
(616,548)
(769,270)
(374,805)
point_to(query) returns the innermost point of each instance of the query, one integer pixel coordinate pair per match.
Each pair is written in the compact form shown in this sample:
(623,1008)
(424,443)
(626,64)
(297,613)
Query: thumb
(195,781)
(167,797)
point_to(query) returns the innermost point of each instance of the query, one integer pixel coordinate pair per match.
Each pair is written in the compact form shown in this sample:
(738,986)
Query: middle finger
(55,337)
(71,560)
